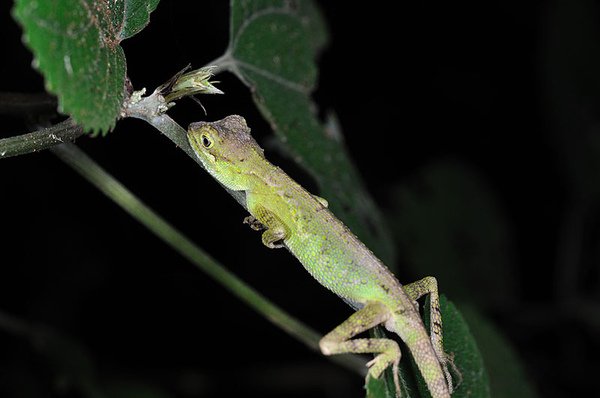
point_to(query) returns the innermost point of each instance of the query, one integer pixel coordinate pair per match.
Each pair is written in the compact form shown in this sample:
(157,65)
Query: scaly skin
(293,218)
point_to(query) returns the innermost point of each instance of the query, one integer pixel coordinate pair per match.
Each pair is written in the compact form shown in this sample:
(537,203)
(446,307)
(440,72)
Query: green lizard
(293,218)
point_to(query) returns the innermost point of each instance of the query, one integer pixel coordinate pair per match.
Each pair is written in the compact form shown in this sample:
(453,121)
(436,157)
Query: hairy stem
(40,139)
(151,110)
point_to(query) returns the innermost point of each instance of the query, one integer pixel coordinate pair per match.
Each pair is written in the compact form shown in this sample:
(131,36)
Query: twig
(151,109)
(65,131)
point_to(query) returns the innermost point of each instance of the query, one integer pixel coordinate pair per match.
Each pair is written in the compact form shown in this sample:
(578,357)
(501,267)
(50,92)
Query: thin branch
(151,109)
(41,139)
(222,63)
(112,188)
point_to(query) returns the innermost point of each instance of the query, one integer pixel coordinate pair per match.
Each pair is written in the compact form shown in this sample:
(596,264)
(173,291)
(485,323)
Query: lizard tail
(430,367)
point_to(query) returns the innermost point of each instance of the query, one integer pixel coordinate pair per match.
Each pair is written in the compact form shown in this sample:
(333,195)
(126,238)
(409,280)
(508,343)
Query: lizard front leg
(415,290)
(338,341)
(254,223)
(275,231)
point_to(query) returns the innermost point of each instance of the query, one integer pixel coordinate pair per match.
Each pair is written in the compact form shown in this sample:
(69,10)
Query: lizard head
(226,149)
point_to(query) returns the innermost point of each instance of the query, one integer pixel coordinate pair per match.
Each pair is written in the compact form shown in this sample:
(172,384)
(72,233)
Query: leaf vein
(272,76)
(253,17)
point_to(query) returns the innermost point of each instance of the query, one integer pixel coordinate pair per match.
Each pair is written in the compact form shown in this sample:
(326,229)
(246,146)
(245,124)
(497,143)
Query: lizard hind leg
(339,341)
(415,290)
(273,238)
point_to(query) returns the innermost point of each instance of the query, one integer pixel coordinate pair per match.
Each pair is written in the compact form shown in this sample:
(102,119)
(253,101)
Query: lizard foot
(273,238)
(378,364)
(254,223)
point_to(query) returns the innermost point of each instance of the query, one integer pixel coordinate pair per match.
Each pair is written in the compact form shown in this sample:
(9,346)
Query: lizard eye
(206,142)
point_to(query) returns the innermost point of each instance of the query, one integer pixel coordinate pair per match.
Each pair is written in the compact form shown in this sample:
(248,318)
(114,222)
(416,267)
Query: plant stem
(40,139)
(222,64)
(151,110)
(112,188)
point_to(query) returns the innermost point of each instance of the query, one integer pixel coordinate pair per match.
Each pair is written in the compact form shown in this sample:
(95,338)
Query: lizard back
(328,250)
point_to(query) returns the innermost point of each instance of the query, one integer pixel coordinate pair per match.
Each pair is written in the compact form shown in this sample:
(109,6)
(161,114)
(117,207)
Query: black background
(510,88)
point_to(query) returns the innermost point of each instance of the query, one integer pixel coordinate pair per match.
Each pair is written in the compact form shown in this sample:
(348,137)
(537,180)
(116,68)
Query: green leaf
(506,373)
(381,388)
(460,344)
(448,224)
(272,49)
(384,387)
(76,46)
(136,16)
